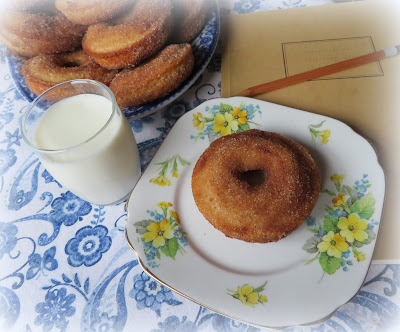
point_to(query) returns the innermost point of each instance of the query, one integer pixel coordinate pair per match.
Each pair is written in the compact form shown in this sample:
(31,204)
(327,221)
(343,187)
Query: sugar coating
(31,34)
(47,70)
(92,12)
(256,213)
(143,33)
(154,78)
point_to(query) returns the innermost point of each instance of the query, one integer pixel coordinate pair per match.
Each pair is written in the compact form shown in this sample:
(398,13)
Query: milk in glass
(92,150)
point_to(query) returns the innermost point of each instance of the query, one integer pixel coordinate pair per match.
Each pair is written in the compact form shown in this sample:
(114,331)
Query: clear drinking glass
(80,135)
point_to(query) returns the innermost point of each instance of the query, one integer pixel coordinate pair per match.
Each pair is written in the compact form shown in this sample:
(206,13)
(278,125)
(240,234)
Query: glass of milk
(84,141)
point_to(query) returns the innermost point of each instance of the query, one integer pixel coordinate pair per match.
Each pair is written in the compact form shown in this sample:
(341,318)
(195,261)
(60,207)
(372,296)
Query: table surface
(48,285)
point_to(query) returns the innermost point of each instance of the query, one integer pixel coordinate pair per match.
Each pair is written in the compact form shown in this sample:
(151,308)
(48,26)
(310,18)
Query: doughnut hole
(44,71)
(71,64)
(254,177)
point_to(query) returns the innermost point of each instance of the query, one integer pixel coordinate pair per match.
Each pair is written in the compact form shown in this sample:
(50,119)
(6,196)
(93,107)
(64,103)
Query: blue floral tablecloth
(65,265)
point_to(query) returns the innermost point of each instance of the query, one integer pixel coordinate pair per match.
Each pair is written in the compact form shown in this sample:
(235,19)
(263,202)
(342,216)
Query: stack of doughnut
(263,208)
(139,48)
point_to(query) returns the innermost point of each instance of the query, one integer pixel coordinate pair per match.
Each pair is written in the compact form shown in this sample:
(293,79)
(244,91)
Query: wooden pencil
(319,72)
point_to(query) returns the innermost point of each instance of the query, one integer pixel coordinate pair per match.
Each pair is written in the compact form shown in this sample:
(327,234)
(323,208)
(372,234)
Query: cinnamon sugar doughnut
(155,78)
(189,19)
(92,12)
(261,212)
(145,31)
(30,34)
(44,71)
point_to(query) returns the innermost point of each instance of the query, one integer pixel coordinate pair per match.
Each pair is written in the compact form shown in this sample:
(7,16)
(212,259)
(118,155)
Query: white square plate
(297,280)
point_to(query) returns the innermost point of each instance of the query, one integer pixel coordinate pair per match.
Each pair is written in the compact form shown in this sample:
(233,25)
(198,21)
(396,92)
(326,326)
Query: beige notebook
(265,46)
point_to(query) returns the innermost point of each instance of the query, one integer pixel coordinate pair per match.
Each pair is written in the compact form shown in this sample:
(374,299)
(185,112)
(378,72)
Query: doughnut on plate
(203,47)
(301,279)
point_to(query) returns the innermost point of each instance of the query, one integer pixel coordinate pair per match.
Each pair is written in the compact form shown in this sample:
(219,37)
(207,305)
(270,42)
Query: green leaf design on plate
(357,244)
(329,264)
(173,247)
(141,226)
(165,249)
(330,209)
(364,207)
(330,224)
(318,125)
(244,127)
(225,108)
(260,288)
(329,192)
(170,164)
(183,161)
(311,244)
(370,238)
(170,248)
(349,191)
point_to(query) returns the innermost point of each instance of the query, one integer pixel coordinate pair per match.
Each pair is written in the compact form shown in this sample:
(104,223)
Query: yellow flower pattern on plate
(224,119)
(161,181)
(322,135)
(199,121)
(353,228)
(339,200)
(225,123)
(161,234)
(249,295)
(164,205)
(347,226)
(158,233)
(337,179)
(172,165)
(239,115)
(334,244)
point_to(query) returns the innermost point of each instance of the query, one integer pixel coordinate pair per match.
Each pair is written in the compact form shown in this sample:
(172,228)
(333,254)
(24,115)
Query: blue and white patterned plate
(203,47)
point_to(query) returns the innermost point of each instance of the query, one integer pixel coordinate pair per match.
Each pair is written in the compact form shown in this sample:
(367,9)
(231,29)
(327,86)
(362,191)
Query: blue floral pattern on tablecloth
(68,209)
(148,293)
(64,263)
(88,246)
(55,310)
